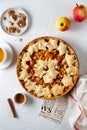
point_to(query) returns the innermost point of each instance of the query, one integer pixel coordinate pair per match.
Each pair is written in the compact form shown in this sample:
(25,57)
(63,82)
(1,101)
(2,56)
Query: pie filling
(47,68)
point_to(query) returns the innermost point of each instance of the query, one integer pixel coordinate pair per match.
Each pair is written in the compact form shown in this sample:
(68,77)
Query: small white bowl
(5,55)
(20,98)
(8,55)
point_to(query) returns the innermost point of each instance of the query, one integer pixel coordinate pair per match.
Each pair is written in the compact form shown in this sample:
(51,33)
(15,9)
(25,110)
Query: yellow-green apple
(80,13)
(63,23)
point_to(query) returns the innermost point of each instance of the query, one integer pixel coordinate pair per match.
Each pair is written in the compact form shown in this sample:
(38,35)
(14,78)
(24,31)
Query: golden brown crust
(47,38)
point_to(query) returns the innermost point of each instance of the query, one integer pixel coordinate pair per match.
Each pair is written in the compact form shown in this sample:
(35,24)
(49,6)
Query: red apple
(80,13)
(63,23)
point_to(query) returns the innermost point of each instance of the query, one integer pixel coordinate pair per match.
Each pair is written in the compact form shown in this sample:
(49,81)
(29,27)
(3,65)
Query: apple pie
(47,67)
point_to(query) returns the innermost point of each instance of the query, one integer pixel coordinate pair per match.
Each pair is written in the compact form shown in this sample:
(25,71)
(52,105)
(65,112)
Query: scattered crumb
(20,39)
(4,18)
(7,29)
(17,30)
(11,12)
(22,16)
(11,23)
(21,23)
(11,29)
(14,17)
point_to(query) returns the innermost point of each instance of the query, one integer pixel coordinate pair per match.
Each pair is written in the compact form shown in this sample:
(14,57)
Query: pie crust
(47,67)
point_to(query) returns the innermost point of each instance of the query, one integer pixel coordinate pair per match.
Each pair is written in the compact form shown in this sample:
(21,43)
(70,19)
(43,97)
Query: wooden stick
(12,107)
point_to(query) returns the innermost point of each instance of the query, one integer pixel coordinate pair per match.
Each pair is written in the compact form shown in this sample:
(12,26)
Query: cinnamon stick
(12,107)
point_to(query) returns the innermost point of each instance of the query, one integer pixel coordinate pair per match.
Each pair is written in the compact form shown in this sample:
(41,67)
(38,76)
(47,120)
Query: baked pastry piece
(47,67)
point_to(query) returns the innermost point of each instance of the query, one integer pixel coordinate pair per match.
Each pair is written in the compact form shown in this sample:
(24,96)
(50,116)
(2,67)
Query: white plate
(5,23)
(9,55)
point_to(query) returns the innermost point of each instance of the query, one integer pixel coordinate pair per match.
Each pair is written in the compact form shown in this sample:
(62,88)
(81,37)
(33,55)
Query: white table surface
(43,15)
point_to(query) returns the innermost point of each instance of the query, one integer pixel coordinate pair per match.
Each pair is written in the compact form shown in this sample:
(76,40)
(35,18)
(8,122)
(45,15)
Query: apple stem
(76,4)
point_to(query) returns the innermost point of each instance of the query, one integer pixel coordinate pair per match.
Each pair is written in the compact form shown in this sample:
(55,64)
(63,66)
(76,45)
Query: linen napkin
(77,105)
